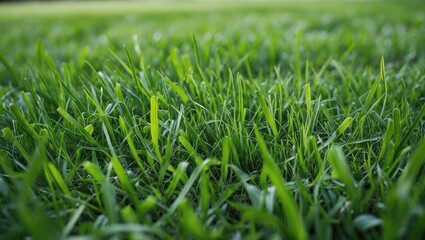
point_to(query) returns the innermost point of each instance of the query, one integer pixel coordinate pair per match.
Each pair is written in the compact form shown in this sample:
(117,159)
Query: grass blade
(190,224)
(94,171)
(268,114)
(155,127)
(341,171)
(53,171)
(293,216)
(71,223)
(225,158)
(22,121)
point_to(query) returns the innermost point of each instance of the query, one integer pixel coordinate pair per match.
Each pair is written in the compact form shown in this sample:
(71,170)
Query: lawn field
(212,120)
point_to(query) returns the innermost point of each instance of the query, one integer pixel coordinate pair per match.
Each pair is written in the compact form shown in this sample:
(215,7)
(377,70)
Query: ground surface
(212,121)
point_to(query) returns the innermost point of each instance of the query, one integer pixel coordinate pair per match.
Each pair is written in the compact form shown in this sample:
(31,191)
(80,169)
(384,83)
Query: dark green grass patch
(281,120)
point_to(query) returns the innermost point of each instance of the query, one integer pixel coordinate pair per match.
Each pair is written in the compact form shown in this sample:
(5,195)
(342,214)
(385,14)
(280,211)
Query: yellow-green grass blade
(94,171)
(56,176)
(155,127)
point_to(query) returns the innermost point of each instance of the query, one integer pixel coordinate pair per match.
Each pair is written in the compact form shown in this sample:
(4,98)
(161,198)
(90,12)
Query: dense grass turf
(297,120)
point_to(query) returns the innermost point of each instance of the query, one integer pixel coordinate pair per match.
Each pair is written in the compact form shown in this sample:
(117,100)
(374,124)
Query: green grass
(280,120)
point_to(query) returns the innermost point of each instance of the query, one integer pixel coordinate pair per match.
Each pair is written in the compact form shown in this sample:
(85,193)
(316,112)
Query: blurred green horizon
(9,8)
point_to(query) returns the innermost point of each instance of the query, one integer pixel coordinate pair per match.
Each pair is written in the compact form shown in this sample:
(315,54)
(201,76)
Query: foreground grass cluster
(292,120)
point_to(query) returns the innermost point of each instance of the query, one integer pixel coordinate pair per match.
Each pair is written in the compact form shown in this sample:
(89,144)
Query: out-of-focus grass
(146,120)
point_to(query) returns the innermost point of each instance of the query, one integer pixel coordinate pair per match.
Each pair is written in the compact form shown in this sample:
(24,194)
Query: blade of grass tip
(155,127)
(267,114)
(240,174)
(133,150)
(108,140)
(372,92)
(344,126)
(397,126)
(6,166)
(189,148)
(128,215)
(146,205)
(209,89)
(308,98)
(235,154)
(240,86)
(177,64)
(145,75)
(294,218)
(339,131)
(53,171)
(319,160)
(7,133)
(130,70)
(189,223)
(82,57)
(297,58)
(231,93)
(225,159)
(347,52)
(178,174)
(329,117)
(75,123)
(124,179)
(307,72)
(386,141)
(195,46)
(123,64)
(29,105)
(130,62)
(22,121)
(176,88)
(165,167)
(89,129)
(94,171)
(382,73)
(341,171)
(340,69)
(118,92)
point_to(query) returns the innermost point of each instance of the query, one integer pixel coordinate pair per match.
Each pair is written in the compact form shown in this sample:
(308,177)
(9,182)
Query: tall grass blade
(53,171)
(268,114)
(341,171)
(293,216)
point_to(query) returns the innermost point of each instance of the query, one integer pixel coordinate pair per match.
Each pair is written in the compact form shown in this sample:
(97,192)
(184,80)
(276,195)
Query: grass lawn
(212,121)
